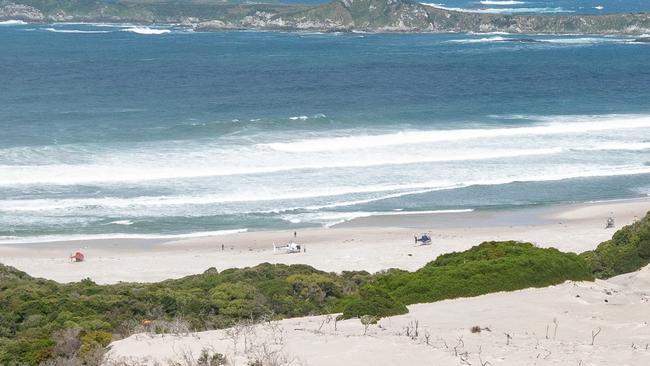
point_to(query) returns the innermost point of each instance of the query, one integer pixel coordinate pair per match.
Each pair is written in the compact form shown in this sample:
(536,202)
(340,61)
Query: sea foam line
(546,10)
(503,2)
(146,30)
(76,31)
(388,192)
(419,137)
(81,237)
(81,174)
(12,22)
(329,219)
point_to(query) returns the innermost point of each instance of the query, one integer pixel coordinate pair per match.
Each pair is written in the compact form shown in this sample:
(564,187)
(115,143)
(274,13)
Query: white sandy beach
(549,326)
(372,244)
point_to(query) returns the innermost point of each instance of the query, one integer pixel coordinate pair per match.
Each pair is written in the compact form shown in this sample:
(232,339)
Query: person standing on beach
(295,234)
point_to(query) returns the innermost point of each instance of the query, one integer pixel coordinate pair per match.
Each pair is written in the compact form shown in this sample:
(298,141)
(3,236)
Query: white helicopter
(288,248)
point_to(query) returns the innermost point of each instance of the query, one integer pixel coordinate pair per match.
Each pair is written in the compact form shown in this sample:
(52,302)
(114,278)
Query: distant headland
(335,16)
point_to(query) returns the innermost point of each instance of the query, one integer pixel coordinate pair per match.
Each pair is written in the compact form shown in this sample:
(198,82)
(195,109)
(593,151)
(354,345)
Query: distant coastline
(378,16)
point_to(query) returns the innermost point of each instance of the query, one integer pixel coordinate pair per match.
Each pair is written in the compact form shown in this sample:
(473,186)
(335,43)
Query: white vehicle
(288,248)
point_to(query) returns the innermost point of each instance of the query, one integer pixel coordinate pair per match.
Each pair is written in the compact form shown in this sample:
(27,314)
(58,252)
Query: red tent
(77,257)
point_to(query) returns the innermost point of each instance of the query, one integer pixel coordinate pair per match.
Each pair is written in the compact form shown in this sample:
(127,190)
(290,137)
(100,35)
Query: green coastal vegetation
(334,16)
(42,320)
(36,314)
(627,251)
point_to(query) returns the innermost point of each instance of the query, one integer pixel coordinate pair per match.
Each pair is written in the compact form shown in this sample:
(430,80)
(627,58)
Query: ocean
(123,131)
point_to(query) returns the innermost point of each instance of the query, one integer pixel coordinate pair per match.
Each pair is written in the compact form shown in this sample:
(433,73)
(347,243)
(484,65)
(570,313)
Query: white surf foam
(504,2)
(620,171)
(546,10)
(146,30)
(83,174)
(616,146)
(122,222)
(12,22)
(75,31)
(304,118)
(384,192)
(480,40)
(329,219)
(68,238)
(421,137)
(544,39)
(585,40)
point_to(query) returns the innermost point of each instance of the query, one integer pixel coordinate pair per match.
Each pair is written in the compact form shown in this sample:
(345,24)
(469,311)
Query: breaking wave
(542,40)
(546,10)
(82,174)
(76,31)
(146,30)
(382,192)
(503,2)
(417,137)
(329,219)
(56,238)
(122,222)
(13,22)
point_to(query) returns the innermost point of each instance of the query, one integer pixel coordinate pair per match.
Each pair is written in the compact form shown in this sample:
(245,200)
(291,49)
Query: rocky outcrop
(20,12)
(335,16)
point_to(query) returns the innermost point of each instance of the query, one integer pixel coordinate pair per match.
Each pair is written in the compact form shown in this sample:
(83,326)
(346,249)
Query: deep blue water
(106,131)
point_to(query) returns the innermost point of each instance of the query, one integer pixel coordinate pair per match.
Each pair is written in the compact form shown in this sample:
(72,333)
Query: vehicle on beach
(610,223)
(289,248)
(423,239)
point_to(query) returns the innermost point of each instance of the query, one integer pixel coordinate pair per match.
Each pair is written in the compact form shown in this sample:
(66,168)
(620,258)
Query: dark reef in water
(335,16)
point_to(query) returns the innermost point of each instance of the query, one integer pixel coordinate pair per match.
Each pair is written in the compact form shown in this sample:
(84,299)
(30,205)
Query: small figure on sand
(295,234)
(223,247)
(610,223)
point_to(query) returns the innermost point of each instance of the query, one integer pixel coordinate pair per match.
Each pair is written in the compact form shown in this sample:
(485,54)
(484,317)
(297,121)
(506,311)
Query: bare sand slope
(371,244)
(549,326)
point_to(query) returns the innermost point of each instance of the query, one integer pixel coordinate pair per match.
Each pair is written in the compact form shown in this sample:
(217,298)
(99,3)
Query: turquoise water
(109,132)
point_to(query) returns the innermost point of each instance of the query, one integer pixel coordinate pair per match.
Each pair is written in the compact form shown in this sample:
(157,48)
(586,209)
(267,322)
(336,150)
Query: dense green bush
(35,313)
(627,251)
(488,267)
(374,301)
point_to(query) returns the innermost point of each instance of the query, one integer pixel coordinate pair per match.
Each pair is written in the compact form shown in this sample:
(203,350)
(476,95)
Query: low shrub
(373,301)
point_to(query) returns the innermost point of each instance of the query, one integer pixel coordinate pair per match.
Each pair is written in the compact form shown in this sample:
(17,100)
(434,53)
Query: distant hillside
(337,15)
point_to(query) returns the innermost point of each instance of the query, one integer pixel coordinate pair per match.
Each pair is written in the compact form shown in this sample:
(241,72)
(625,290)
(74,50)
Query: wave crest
(146,30)
(13,22)
(418,137)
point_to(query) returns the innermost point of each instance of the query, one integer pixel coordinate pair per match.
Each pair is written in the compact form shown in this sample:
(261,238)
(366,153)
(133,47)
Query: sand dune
(618,308)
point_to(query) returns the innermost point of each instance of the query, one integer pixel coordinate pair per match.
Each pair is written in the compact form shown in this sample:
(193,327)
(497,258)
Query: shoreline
(371,243)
